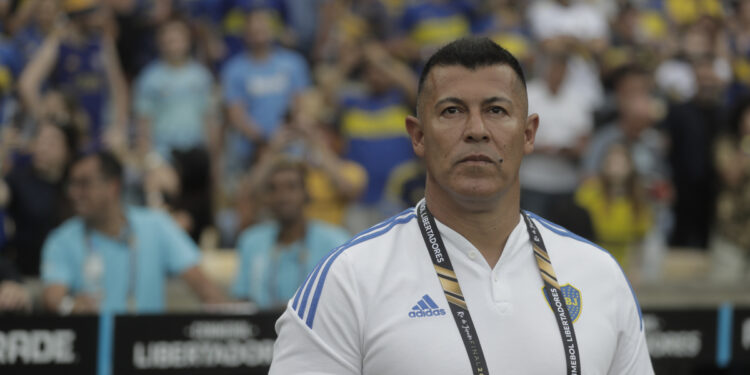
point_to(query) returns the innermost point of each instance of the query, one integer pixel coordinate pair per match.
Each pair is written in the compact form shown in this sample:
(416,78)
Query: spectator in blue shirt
(173,96)
(260,86)
(112,257)
(275,256)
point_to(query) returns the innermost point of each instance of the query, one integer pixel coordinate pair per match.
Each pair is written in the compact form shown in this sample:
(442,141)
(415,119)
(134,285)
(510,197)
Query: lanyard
(128,237)
(275,297)
(449,282)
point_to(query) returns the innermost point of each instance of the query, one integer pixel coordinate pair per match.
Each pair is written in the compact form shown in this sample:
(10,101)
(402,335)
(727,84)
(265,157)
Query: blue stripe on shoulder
(566,233)
(310,280)
(319,289)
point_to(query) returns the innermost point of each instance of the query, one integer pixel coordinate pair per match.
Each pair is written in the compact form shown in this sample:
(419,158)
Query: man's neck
(487,226)
(260,52)
(175,62)
(292,231)
(112,222)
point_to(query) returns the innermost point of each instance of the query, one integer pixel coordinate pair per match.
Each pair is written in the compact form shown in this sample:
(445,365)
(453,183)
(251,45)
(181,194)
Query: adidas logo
(425,307)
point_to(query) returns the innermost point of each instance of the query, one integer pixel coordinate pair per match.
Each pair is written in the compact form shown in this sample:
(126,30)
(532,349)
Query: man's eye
(498,110)
(450,111)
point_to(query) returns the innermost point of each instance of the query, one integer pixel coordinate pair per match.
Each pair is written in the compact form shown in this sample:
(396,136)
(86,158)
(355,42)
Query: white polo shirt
(375,306)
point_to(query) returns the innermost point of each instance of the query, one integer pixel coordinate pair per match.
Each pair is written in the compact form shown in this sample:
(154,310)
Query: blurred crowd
(276,127)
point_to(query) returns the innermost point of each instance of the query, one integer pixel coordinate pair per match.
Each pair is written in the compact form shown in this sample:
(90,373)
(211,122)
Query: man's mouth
(477,158)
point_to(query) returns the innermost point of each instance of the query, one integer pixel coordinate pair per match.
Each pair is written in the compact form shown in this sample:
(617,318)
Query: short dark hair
(620,74)
(109,165)
(471,53)
(283,163)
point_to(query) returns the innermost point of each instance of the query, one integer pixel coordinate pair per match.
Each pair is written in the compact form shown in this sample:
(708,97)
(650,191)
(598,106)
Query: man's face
(89,191)
(174,41)
(469,119)
(49,148)
(286,194)
(259,29)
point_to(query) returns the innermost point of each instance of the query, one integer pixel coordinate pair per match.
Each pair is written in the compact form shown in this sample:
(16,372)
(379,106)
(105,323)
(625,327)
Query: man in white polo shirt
(465,282)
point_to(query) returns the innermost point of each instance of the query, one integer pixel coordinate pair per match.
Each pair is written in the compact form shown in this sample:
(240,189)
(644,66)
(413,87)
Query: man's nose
(476,129)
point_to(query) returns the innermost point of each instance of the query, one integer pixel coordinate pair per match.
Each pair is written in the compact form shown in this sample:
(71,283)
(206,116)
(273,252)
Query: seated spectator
(730,242)
(36,201)
(112,257)
(13,294)
(276,256)
(616,203)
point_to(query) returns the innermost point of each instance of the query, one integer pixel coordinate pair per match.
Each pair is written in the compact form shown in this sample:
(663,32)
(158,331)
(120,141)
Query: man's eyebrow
(497,99)
(450,99)
(458,101)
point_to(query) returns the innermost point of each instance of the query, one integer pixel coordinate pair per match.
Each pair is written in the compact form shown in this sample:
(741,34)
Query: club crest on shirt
(572,298)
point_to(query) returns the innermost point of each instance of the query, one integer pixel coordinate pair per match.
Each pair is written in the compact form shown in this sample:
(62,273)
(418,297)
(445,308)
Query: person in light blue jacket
(276,256)
(112,257)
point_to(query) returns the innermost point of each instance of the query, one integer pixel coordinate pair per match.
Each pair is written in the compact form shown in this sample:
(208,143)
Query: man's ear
(529,133)
(414,128)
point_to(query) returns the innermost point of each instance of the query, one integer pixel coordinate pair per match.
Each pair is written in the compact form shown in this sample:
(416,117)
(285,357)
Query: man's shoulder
(327,230)
(152,70)
(356,264)
(141,213)
(374,237)
(237,64)
(70,230)
(372,247)
(288,55)
(572,246)
(257,231)
(154,219)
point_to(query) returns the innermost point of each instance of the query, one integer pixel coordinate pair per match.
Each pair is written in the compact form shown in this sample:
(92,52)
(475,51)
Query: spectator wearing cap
(113,257)
(276,256)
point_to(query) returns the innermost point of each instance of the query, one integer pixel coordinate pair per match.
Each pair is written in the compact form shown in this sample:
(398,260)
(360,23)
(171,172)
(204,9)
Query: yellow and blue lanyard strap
(555,298)
(457,303)
(452,290)
(129,238)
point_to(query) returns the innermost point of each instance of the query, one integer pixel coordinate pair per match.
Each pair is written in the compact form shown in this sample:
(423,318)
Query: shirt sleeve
(179,250)
(631,356)
(320,331)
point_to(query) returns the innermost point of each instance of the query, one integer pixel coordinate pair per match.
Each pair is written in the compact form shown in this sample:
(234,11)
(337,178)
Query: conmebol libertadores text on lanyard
(457,303)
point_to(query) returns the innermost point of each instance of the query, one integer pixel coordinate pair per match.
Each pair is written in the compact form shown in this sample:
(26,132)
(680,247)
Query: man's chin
(477,191)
